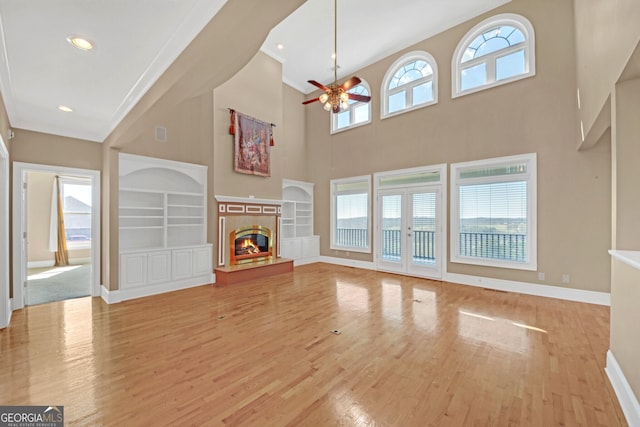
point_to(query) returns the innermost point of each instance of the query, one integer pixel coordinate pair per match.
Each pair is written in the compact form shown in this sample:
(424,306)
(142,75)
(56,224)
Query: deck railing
(485,245)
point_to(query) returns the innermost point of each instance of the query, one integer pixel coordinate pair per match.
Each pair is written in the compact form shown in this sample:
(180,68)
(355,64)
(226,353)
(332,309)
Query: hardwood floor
(410,352)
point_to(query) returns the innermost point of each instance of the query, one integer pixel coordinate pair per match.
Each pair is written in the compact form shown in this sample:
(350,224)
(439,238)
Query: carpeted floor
(58,283)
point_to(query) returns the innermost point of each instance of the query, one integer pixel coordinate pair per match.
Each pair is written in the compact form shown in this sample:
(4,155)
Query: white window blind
(493,219)
(350,214)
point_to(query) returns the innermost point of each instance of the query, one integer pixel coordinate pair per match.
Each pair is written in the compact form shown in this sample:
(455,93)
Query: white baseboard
(113,297)
(40,264)
(600,298)
(303,261)
(51,263)
(626,397)
(366,265)
(579,295)
(5,322)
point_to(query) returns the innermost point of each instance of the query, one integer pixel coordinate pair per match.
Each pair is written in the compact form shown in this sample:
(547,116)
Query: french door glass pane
(424,228)
(391,232)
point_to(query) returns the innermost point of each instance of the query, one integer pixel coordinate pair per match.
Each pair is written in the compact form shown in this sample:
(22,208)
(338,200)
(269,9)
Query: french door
(409,231)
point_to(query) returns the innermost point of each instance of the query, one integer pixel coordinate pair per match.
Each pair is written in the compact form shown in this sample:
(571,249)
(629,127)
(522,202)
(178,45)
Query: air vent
(161,134)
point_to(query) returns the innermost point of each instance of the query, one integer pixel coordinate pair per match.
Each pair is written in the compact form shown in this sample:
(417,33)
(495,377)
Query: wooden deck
(410,352)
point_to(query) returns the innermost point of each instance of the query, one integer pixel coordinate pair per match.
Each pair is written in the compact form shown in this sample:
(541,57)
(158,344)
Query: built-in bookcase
(162,216)
(298,241)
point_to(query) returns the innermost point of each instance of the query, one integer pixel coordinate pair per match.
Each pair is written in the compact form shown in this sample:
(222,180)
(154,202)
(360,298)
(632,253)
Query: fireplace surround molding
(237,212)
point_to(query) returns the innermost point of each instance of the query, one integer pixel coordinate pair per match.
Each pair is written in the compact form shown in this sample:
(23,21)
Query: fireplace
(249,244)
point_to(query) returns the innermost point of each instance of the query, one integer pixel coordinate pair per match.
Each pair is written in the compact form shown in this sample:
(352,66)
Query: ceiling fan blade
(318,85)
(360,98)
(353,81)
(309,101)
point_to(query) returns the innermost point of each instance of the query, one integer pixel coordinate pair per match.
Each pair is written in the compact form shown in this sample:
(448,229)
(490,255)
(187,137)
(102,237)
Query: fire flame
(249,247)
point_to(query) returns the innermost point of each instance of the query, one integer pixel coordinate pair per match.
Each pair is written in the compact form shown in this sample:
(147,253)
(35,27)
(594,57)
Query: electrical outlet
(565,278)
(540,275)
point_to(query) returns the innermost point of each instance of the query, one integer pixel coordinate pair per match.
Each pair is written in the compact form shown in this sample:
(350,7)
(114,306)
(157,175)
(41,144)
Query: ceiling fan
(335,97)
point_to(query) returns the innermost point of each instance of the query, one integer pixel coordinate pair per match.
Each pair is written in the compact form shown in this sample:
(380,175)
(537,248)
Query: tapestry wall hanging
(253,139)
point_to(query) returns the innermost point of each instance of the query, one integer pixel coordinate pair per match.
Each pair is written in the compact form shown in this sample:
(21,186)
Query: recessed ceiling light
(65,108)
(280,46)
(80,43)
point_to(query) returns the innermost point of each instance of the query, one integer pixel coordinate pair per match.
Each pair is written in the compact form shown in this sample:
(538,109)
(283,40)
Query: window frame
(64,181)
(391,71)
(528,46)
(530,176)
(352,106)
(333,213)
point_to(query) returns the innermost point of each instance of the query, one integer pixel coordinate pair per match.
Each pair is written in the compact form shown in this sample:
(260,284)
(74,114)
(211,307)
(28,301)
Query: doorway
(409,236)
(43,195)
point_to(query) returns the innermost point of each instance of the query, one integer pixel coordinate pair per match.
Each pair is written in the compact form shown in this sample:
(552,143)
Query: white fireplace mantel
(249,200)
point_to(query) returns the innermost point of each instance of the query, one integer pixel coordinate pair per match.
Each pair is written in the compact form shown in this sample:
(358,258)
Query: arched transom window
(410,83)
(358,113)
(496,51)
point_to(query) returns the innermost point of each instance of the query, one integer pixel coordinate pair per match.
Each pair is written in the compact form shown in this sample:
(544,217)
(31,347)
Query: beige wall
(606,33)
(625,280)
(536,114)
(625,316)
(182,102)
(627,209)
(46,149)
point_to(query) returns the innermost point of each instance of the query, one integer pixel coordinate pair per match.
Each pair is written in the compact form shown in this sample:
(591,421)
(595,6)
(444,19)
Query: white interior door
(410,231)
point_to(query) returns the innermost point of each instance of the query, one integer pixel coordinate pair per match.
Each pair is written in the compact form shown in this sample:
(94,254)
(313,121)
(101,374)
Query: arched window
(498,50)
(410,83)
(358,113)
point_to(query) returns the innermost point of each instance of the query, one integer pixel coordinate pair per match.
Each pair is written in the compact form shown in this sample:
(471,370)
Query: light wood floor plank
(411,352)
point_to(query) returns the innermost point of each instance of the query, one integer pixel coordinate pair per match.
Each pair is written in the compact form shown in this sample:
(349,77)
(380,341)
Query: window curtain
(57,235)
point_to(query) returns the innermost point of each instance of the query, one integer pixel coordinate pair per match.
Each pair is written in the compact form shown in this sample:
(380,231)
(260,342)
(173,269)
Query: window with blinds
(350,219)
(493,213)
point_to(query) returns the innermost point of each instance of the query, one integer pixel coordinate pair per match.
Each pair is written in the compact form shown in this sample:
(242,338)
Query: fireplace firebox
(249,244)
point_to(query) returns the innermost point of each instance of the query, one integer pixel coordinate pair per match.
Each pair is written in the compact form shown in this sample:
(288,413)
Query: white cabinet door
(133,270)
(311,247)
(181,263)
(291,248)
(159,267)
(202,263)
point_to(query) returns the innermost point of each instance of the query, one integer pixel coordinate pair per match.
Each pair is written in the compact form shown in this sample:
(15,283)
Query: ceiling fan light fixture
(323,98)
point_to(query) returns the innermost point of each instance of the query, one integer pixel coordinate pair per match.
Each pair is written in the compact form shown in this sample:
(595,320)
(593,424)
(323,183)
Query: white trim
(514,20)
(5,303)
(631,258)
(441,190)
(119,295)
(578,295)
(391,71)
(530,176)
(19,178)
(248,200)
(365,265)
(332,212)
(628,400)
(51,263)
(304,261)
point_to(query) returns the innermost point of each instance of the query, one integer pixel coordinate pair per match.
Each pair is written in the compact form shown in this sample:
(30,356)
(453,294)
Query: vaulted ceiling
(134,42)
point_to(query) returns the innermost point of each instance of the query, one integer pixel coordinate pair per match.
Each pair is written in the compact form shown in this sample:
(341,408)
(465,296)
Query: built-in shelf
(298,240)
(163,227)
